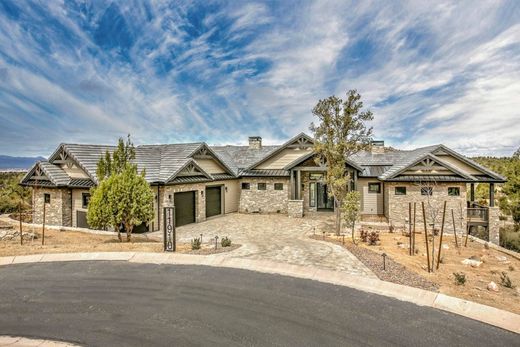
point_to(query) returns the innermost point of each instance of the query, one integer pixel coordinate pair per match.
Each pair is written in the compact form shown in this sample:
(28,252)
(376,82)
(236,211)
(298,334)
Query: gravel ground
(394,272)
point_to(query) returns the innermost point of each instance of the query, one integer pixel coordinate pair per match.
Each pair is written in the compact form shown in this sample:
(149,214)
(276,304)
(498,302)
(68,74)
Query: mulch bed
(394,272)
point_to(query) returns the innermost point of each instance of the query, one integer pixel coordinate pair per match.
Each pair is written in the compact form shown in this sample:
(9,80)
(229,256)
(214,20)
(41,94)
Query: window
(278,186)
(246,186)
(453,191)
(426,191)
(262,186)
(374,188)
(47,198)
(85,199)
(400,190)
(312,194)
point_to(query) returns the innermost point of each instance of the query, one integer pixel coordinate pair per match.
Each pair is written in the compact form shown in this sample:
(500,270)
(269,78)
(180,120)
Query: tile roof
(162,162)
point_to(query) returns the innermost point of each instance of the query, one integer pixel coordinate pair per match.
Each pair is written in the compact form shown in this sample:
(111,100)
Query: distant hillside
(19,163)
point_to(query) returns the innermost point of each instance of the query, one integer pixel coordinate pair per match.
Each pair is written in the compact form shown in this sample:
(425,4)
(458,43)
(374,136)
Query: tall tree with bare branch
(340,132)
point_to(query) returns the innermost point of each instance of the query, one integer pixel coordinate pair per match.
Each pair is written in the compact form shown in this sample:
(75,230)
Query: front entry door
(324,201)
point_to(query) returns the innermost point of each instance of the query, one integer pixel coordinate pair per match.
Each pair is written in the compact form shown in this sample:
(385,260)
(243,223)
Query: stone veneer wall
(54,212)
(397,205)
(494,225)
(295,208)
(66,196)
(200,201)
(264,201)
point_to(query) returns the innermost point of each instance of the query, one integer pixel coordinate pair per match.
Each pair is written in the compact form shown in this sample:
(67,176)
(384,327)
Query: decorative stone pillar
(295,208)
(494,225)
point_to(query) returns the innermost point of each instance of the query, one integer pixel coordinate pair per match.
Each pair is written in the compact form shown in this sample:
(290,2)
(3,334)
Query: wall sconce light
(202,193)
(225,188)
(170,197)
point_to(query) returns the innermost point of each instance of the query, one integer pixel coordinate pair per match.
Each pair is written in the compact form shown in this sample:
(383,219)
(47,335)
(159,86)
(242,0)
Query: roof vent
(255,142)
(378,147)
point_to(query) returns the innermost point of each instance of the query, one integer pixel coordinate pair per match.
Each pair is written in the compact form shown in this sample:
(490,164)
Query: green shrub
(460,278)
(373,238)
(510,239)
(225,242)
(505,280)
(195,244)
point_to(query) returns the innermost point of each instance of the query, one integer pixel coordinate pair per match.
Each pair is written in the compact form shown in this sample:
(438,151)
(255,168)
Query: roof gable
(205,152)
(300,141)
(427,164)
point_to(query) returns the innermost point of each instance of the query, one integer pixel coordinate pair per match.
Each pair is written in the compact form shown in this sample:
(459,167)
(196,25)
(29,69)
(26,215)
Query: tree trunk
(119,234)
(129,229)
(338,217)
(353,235)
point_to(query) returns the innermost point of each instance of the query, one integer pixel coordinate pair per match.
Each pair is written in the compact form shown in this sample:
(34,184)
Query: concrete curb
(487,314)
(26,342)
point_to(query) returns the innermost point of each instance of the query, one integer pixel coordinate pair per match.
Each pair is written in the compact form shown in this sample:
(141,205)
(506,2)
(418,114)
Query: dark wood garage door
(81,219)
(184,208)
(213,201)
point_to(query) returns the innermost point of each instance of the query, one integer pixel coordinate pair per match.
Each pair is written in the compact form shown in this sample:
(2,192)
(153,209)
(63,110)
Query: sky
(220,71)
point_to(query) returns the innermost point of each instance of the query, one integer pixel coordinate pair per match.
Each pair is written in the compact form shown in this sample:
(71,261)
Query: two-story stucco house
(204,181)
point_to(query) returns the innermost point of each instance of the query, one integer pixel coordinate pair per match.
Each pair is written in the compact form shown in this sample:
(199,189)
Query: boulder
(445,246)
(492,287)
(501,258)
(472,262)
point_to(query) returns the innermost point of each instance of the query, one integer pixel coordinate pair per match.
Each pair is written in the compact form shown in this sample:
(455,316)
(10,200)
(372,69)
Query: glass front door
(324,202)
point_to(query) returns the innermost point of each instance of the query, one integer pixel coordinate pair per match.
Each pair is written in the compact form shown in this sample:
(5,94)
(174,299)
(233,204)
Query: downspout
(158,209)
(71,212)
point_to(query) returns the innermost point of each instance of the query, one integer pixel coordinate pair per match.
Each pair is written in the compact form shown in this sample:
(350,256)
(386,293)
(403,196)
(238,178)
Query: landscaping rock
(501,258)
(472,262)
(492,287)
(10,235)
(445,246)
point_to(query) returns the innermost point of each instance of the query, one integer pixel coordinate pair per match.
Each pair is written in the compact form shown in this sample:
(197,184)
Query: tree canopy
(341,131)
(122,197)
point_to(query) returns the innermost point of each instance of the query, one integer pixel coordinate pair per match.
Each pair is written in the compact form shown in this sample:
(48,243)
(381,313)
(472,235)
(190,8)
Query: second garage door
(213,201)
(184,208)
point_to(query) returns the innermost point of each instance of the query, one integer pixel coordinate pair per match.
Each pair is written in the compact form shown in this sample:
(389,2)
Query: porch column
(298,185)
(355,179)
(491,195)
(472,192)
(292,184)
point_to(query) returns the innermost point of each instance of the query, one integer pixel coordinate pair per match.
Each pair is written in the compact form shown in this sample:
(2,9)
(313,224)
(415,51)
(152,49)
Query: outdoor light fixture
(202,193)
(225,188)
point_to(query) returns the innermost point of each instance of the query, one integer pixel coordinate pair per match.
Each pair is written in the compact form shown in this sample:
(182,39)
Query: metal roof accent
(221,177)
(189,179)
(34,183)
(264,173)
(428,178)
(81,183)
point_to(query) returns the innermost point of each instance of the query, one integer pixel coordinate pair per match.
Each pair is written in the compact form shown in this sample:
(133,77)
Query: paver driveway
(277,238)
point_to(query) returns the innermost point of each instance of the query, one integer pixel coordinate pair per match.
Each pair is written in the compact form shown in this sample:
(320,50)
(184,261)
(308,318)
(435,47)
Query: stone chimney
(378,147)
(255,142)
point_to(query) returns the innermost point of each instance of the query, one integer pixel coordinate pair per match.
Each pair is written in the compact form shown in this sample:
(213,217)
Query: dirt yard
(494,263)
(73,241)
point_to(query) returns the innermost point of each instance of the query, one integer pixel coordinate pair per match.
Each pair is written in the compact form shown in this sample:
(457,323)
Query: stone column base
(494,225)
(295,208)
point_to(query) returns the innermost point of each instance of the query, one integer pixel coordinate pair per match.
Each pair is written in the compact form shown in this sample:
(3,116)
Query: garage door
(81,219)
(213,201)
(184,208)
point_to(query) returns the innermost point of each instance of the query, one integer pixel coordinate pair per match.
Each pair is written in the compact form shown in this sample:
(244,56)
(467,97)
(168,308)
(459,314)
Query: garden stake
(343,239)
(454,229)
(43,225)
(442,232)
(384,261)
(323,235)
(413,238)
(467,235)
(20,215)
(410,225)
(426,236)
(216,238)
(201,239)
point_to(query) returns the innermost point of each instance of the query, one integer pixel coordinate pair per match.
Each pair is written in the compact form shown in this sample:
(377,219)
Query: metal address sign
(169,229)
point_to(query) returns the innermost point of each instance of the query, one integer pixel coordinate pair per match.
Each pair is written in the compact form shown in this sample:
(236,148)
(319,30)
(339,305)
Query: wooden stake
(467,235)
(442,232)
(454,229)
(410,225)
(43,226)
(413,237)
(426,236)
(20,215)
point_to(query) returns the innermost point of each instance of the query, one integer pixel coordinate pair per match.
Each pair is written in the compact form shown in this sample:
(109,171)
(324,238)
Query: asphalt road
(126,304)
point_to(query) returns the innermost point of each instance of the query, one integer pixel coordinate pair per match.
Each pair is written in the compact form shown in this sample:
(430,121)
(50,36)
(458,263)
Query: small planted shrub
(225,242)
(364,235)
(506,281)
(195,244)
(511,268)
(373,238)
(460,278)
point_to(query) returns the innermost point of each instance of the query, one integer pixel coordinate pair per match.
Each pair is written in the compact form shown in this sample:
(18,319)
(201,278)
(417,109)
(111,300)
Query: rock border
(487,314)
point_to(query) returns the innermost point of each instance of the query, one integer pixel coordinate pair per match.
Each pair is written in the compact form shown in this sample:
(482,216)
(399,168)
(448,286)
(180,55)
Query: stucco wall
(398,205)
(264,201)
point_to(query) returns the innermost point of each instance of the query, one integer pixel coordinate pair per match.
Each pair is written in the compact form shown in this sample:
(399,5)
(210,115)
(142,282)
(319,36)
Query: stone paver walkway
(277,238)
